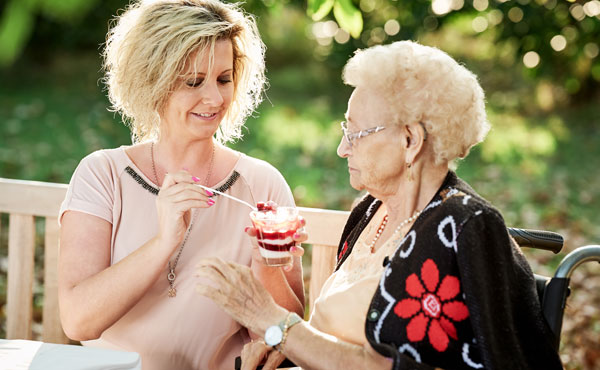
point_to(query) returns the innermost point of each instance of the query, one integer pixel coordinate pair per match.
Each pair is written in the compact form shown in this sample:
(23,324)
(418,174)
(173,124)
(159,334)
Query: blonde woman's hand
(177,196)
(255,352)
(234,288)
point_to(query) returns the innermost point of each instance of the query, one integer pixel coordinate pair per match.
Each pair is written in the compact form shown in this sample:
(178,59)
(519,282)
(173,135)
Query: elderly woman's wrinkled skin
(373,160)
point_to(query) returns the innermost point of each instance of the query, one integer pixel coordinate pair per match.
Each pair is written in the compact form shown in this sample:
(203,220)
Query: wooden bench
(26,200)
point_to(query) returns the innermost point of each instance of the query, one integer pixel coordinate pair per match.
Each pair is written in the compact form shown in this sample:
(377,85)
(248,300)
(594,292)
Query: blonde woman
(427,275)
(184,75)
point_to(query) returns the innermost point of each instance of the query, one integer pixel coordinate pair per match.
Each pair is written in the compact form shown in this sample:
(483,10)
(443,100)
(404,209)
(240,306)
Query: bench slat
(31,197)
(323,263)
(52,331)
(19,297)
(323,226)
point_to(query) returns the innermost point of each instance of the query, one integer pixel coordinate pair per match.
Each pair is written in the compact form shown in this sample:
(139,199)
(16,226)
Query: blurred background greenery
(538,61)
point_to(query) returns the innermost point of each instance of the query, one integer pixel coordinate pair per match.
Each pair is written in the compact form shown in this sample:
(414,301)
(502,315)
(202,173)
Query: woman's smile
(205,116)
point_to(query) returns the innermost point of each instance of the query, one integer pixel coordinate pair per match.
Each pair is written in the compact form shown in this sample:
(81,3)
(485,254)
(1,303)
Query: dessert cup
(275,230)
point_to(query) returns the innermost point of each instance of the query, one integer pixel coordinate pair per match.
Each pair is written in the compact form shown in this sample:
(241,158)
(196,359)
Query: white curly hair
(424,84)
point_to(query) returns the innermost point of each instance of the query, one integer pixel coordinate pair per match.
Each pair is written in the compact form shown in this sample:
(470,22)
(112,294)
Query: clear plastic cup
(275,231)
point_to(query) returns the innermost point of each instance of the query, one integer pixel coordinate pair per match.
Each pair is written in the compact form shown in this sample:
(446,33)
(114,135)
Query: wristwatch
(276,335)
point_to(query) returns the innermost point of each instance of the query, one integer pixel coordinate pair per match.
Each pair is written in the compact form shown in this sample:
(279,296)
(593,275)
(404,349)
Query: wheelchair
(554,291)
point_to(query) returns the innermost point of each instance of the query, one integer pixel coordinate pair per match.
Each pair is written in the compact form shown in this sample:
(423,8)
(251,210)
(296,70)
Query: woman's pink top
(187,331)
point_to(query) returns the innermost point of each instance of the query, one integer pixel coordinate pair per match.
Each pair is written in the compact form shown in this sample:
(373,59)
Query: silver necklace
(171,275)
(384,223)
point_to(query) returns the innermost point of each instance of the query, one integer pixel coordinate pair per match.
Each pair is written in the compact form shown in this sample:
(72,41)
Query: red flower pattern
(432,308)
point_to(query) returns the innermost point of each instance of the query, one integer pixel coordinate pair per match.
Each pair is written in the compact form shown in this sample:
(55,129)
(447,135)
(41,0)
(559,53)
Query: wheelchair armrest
(552,293)
(539,239)
(540,284)
(554,299)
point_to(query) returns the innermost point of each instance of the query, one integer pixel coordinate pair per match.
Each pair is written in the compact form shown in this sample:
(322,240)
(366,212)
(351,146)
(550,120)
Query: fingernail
(246,229)
(293,249)
(296,235)
(210,202)
(209,193)
(185,168)
(195,179)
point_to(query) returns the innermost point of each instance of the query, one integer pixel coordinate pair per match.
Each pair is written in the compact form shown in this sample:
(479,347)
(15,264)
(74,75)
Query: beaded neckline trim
(141,181)
(229,183)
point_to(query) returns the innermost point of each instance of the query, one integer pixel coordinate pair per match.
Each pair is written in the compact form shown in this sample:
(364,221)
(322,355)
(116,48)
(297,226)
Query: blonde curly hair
(146,52)
(424,84)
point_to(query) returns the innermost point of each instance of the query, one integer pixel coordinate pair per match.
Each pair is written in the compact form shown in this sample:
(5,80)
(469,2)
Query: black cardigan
(457,293)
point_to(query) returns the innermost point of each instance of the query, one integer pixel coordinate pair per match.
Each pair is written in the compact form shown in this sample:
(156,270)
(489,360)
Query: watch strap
(291,320)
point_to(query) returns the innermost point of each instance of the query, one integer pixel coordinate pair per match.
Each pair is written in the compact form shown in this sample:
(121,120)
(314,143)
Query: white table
(33,355)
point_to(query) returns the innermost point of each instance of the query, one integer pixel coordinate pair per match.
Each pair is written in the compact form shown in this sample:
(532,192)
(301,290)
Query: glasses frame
(353,136)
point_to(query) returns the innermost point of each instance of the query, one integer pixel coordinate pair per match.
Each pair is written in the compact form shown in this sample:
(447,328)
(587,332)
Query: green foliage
(17,22)
(68,11)
(544,39)
(348,17)
(51,114)
(344,11)
(318,9)
(563,34)
(550,40)
(15,27)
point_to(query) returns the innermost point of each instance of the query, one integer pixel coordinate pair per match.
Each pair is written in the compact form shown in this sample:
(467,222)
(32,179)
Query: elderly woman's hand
(235,289)
(256,351)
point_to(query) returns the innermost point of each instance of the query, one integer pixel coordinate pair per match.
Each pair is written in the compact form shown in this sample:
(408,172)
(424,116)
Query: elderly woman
(185,75)
(427,275)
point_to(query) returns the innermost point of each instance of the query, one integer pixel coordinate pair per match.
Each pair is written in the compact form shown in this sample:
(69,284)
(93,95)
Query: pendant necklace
(171,275)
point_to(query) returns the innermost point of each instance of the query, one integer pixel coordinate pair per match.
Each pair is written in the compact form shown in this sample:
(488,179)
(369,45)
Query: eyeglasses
(353,136)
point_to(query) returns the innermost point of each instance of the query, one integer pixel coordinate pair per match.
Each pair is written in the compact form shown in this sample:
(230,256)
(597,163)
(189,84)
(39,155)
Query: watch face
(273,335)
